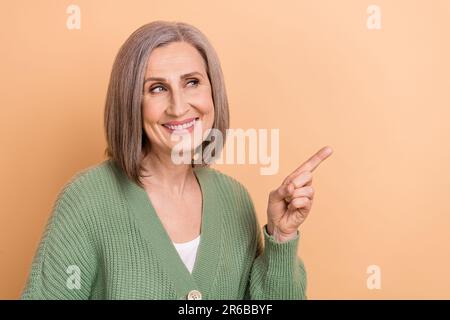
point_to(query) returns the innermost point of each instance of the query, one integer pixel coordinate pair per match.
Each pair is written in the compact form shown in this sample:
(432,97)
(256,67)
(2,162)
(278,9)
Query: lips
(186,124)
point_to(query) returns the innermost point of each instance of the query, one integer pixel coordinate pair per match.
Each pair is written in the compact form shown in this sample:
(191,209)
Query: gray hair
(127,142)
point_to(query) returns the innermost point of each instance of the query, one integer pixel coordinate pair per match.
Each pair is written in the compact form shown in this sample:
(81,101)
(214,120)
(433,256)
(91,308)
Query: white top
(188,252)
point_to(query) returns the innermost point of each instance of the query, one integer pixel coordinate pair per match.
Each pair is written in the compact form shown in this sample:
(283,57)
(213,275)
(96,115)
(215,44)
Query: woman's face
(177,96)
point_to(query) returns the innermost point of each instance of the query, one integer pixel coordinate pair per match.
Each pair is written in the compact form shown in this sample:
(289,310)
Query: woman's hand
(290,204)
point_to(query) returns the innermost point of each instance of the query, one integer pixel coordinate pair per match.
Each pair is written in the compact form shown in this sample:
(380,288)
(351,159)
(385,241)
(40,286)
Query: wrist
(278,235)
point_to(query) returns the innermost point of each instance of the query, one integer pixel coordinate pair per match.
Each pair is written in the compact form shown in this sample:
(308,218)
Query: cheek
(205,104)
(151,112)
(206,109)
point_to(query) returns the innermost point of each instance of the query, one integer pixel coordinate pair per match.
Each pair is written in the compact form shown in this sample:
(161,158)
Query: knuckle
(301,202)
(296,202)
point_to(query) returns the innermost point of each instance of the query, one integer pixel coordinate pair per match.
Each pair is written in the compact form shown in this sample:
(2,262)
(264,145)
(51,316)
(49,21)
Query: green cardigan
(104,240)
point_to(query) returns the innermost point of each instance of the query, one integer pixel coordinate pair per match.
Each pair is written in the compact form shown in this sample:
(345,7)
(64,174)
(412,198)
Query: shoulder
(87,188)
(90,177)
(92,180)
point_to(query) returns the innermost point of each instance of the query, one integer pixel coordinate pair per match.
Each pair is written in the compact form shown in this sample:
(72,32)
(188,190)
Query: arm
(64,265)
(277,272)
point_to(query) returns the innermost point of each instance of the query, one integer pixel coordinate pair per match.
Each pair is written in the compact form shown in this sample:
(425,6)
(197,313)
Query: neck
(165,174)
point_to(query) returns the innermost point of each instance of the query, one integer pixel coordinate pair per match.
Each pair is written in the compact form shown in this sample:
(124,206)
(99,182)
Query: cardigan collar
(153,230)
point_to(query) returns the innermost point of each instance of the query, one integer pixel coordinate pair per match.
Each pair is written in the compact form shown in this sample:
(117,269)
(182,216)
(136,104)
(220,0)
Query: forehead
(179,57)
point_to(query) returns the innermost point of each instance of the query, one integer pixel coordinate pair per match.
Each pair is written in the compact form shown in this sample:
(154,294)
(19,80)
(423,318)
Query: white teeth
(181,126)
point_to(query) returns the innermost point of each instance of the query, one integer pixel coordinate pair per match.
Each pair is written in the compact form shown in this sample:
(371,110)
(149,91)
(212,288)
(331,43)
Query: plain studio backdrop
(313,69)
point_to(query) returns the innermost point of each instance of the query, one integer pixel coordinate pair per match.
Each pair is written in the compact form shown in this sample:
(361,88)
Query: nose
(178,105)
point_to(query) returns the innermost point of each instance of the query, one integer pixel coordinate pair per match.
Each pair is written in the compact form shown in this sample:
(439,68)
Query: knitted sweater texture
(104,240)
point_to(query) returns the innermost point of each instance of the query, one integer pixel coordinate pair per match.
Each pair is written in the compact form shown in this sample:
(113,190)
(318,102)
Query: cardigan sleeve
(277,272)
(64,264)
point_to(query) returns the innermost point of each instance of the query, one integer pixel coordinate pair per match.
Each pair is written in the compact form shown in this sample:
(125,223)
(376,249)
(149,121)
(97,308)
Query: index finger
(313,162)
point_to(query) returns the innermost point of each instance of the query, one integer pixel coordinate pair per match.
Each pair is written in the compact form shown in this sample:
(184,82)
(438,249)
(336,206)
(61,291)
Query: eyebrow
(184,76)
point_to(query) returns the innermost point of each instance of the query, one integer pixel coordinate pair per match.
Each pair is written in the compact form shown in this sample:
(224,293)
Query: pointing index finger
(313,162)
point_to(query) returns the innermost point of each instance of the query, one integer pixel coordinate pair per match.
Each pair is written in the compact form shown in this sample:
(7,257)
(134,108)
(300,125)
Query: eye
(153,89)
(194,81)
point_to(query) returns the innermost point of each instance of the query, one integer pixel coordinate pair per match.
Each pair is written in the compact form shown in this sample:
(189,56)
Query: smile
(187,124)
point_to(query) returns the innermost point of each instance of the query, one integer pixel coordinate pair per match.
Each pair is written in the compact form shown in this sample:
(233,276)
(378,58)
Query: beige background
(380,98)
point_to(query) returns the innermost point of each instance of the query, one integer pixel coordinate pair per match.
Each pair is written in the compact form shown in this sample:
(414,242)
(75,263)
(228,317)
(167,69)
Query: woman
(139,225)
